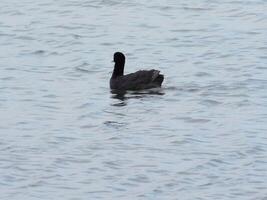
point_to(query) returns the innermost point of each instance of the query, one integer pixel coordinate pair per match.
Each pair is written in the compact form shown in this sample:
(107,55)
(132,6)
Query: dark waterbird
(143,79)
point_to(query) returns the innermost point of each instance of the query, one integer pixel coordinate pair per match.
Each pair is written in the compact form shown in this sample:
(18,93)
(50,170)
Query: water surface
(64,135)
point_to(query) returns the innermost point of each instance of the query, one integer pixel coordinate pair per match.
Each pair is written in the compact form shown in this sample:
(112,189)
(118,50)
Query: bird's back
(143,79)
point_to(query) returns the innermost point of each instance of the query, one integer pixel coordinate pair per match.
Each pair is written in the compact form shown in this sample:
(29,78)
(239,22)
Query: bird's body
(143,79)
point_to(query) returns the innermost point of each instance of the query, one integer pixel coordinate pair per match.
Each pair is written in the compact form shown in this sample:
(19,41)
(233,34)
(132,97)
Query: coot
(143,79)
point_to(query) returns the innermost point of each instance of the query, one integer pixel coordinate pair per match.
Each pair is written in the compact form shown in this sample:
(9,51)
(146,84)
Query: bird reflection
(123,95)
(118,94)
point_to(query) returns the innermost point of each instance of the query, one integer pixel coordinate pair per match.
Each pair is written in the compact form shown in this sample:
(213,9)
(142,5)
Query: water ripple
(65,135)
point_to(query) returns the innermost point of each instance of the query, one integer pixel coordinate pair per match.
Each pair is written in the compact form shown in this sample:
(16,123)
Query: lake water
(64,135)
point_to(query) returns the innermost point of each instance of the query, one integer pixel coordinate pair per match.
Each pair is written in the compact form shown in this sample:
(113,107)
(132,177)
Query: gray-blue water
(65,136)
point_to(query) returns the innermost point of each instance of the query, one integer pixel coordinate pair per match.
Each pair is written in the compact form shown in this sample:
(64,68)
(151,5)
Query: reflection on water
(124,95)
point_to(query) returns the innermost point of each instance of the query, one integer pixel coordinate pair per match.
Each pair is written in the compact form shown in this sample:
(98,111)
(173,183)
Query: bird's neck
(118,70)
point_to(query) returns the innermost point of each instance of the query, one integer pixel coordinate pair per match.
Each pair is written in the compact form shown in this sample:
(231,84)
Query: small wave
(114,124)
(25,38)
(38,52)
(77,36)
(65,27)
(196,8)
(185,88)
(188,30)
(195,120)
(171,88)
(210,102)
(203,74)
(83,68)
(7,78)
(106,44)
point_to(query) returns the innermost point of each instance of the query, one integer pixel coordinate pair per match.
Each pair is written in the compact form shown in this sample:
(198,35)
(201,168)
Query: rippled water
(65,136)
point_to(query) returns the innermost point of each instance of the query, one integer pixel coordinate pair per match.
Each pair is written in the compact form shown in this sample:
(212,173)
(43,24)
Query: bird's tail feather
(159,79)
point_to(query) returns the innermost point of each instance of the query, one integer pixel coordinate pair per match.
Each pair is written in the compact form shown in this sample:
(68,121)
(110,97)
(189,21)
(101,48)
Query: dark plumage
(143,79)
